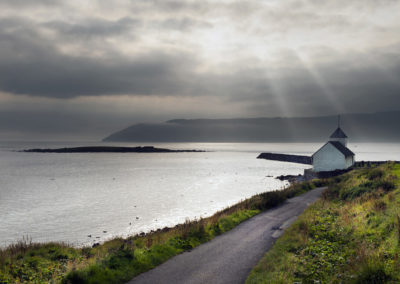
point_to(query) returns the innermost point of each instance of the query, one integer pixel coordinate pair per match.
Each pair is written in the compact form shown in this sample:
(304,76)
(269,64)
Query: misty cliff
(374,127)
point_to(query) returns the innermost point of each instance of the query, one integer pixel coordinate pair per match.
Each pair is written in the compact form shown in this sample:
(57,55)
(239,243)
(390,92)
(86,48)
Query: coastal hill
(371,127)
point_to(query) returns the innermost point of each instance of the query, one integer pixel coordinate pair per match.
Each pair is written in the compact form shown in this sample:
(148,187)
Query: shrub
(372,272)
(355,192)
(113,270)
(272,199)
(369,186)
(75,277)
(331,193)
(379,205)
(320,182)
(398,228)
(386,184)
(375,174)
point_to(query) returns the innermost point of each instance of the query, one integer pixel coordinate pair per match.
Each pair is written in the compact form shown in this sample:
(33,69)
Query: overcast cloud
(82,69)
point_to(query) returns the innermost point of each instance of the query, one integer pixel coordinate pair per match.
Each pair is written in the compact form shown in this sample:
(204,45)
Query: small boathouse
(332,156)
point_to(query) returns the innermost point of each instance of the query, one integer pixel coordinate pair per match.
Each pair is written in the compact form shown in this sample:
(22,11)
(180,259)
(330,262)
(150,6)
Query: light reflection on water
(66,197)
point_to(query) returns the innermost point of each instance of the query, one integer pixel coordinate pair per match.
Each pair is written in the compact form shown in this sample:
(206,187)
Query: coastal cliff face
(375,127)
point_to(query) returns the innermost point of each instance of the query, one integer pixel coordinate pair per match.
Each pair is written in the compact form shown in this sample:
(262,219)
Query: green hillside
(352,235)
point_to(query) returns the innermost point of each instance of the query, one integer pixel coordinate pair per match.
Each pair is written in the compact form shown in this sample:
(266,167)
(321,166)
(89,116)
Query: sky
(80,70)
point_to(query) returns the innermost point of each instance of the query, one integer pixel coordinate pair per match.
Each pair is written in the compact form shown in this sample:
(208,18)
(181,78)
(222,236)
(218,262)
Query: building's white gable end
(349,161)
(329,158)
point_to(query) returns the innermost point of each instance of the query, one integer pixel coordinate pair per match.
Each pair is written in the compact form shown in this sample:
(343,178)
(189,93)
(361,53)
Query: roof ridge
(338,133)
(345,151)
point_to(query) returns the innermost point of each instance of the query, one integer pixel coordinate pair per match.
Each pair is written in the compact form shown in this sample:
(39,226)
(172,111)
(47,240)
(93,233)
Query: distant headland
(109,149)
(362,127)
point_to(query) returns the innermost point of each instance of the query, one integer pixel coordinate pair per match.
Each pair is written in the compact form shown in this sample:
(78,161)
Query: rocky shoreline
(291,178)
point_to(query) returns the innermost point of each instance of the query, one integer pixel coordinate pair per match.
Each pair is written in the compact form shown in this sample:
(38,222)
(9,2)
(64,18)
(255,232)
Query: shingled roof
(338,133)
(340,147)
(345,151)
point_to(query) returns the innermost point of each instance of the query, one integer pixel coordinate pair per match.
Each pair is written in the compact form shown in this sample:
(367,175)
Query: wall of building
(329,158)
(349,161)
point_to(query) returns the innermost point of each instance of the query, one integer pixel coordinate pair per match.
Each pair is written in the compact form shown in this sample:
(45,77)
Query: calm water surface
(66,197)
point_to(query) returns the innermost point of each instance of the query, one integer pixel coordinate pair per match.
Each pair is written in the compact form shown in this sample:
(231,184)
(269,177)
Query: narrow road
(230,257)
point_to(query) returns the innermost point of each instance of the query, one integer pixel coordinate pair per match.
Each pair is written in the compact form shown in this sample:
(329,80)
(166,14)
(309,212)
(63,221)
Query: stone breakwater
(286,158)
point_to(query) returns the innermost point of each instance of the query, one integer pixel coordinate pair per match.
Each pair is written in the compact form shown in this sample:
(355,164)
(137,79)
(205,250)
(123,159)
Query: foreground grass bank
(351,235)
(119,260)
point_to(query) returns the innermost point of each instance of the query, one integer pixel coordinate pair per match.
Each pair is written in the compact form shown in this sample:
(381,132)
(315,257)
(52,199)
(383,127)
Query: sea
(85,198)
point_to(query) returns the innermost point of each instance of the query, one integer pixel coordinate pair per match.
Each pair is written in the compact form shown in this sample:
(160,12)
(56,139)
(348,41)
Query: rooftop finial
(338,121)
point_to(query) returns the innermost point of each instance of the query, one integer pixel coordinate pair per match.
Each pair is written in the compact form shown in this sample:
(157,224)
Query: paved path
(229,257)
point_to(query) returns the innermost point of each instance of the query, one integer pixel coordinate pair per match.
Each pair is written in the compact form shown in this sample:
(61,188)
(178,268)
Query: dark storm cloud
(171,6)
(30,3)
(30,65)
(205,58)
(94,27)
(33,64)
(184,24)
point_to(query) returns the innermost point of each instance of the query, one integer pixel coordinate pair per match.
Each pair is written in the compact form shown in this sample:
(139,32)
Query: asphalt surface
(230,257)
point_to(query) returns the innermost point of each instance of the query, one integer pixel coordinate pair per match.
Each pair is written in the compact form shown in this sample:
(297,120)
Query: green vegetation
(351,235)
(119,260)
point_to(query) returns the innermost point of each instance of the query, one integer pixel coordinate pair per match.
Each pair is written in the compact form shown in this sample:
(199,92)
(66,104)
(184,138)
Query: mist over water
(66,197)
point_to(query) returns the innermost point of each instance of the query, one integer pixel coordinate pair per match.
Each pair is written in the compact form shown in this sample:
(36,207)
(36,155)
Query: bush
(75,277)
(387,184)
(273,198)
(320,182)
(355,192)
(372,272)
(331,193)
(116,269)
(379,205)
(375,174)
(369,186)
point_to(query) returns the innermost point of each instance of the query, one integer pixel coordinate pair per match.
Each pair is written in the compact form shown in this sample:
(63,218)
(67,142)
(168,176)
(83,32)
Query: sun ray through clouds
(326,90)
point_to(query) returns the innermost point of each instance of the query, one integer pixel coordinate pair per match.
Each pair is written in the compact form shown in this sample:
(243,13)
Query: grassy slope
(351,235)
(119,260)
